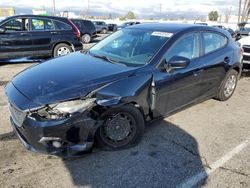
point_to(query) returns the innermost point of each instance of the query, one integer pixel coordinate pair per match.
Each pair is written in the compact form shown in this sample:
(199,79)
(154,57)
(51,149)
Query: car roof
(168,27)
(37,16)
(79,19)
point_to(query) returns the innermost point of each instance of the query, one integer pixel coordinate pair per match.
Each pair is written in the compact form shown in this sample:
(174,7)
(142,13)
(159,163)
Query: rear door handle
(54,32)
(227,60)
(24,34)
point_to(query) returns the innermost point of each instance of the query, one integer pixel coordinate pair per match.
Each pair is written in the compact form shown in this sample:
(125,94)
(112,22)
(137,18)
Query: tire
(86,38)
(104,31)
(122,127)
(228,85)
(61,49)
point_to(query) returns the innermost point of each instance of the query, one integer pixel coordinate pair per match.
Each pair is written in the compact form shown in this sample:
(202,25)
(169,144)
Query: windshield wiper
(106,58)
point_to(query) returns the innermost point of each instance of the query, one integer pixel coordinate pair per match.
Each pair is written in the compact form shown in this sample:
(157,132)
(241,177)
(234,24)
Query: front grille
(246,48)
(246,58)
(17,115)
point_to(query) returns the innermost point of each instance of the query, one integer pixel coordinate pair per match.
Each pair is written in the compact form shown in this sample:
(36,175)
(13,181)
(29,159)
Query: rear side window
(62,26)
(41,25)
(213,42)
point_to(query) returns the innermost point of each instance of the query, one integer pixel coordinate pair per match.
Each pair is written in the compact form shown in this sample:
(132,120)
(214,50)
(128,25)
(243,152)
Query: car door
(42,30)
(177,88)
(15,42)
(216,55)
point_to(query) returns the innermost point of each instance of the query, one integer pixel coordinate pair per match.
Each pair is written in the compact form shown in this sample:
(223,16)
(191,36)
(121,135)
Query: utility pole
(160,10)
(239,12)
(54,7)
(88,9)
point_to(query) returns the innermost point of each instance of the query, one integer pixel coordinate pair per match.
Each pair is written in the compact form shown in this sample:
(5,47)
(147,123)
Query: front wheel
(122,127)
(228,86)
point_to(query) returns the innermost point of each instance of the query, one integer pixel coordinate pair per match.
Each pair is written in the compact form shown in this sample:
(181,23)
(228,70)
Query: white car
(245,45)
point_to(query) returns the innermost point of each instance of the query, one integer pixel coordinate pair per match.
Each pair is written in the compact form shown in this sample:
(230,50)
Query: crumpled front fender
(131,89)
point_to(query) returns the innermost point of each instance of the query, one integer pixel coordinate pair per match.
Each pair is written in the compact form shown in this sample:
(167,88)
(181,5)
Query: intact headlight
(64,109)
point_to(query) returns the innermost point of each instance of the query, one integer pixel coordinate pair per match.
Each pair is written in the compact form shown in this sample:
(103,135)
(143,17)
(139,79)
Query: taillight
(77,31)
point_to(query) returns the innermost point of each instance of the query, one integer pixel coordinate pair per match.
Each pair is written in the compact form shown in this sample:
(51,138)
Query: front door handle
(54,32)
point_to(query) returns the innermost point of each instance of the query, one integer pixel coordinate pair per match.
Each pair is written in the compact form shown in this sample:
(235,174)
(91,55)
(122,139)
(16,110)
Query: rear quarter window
(61,25)
(77,23)
(213,41)
(88,24)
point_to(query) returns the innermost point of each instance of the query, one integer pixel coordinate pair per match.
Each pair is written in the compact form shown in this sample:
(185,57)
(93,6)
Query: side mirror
(2,30)
(238,36)
(176,62)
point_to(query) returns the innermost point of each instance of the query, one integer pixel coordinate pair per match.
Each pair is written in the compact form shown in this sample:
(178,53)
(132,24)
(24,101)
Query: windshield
(132,47)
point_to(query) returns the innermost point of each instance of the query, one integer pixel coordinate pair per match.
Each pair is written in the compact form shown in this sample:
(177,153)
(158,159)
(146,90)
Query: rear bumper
(77,47)
(94,36)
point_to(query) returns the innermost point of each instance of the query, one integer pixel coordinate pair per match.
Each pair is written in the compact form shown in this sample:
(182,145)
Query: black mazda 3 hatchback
(108,93)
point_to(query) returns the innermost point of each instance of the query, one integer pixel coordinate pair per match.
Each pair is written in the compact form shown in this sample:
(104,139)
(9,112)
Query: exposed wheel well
(139,108)
(86,33)
(101,109)
(237,69)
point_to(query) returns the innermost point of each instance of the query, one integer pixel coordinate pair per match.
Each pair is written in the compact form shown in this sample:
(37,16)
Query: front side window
(188,47)
(41,25)
(17,24)
(133,47)
(213,41)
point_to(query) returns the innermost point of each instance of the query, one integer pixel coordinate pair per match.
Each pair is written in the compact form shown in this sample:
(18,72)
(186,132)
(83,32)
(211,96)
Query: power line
(160,9)
(239,13)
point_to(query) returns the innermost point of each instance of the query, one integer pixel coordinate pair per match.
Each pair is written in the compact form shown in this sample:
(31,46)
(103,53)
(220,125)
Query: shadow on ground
(166,157)
(8,136)
(245,73)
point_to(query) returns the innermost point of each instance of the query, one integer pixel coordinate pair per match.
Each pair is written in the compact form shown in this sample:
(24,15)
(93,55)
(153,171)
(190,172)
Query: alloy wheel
(230,85)
(63,51)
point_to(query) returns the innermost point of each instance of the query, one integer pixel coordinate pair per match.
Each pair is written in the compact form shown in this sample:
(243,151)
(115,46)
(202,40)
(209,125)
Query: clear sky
(139,7)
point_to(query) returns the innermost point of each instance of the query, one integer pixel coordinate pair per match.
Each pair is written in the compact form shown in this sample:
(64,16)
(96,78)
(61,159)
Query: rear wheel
(61,49)
(228,86)
(104,31)
(122,127)
(86,38)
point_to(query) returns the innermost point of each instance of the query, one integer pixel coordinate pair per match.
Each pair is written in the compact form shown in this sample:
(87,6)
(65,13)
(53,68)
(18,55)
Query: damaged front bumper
(73,136)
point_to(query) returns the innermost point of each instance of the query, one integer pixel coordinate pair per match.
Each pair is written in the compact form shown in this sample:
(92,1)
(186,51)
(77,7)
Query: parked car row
(87,29)
(126,24)
(35,37)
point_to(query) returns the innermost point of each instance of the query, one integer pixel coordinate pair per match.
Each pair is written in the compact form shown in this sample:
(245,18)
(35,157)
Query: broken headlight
(65,109)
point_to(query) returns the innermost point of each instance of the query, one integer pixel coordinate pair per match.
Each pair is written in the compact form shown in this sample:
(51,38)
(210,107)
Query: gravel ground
(197,141)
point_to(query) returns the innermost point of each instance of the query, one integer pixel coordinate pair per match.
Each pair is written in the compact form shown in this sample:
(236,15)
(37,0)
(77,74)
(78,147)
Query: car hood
(68,77)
